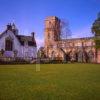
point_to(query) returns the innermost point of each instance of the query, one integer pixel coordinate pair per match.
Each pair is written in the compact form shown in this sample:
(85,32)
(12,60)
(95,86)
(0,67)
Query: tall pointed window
(8,44)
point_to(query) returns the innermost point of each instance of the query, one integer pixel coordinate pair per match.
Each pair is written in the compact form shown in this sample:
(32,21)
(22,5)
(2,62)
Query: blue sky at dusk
(29,15)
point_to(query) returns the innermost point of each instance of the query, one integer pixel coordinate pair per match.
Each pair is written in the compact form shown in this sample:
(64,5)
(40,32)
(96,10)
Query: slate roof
(22,38)
(30,40)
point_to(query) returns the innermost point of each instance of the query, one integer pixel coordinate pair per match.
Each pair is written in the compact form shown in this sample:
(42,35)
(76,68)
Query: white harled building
(14,44)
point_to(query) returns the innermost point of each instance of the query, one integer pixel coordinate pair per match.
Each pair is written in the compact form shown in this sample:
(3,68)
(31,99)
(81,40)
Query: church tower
(52,32)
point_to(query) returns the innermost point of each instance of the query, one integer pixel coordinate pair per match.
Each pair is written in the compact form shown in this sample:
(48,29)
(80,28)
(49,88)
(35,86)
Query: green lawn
(52,82)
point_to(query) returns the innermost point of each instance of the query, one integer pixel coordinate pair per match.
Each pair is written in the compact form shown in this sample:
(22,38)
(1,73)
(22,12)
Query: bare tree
(64,35)
(65,29)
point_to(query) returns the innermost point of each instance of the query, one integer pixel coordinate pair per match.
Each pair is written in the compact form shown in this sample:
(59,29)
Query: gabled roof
(21,38)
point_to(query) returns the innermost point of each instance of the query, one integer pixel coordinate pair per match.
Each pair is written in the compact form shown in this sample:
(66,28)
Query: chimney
(9,26)
(33,39)
(32,34)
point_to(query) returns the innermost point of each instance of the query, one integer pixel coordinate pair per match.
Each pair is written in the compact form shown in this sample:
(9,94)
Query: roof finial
(13,26)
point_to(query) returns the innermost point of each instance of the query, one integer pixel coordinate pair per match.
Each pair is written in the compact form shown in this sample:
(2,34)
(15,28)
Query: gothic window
(8,45)
(91,56)
(80,56)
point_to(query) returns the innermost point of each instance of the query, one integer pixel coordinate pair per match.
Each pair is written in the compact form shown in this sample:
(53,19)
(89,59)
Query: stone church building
(12,44)
(75,49)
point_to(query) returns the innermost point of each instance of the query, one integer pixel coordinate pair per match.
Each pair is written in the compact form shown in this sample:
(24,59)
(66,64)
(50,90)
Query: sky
(29,15)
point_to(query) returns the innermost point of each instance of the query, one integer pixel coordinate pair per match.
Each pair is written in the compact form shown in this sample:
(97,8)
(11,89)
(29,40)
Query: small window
(30,43)
(22,42)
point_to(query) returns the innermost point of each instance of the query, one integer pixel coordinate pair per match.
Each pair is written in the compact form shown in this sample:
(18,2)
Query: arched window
(8,44)
(91,56)
(80,56)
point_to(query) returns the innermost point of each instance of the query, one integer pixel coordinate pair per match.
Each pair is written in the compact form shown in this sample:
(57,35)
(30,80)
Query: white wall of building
(23,51)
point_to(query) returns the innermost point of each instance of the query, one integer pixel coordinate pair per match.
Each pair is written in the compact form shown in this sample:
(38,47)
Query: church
(73,49)
(12,44)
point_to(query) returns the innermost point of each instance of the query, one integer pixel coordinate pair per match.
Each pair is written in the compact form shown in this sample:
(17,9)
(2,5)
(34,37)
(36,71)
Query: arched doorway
(8,44)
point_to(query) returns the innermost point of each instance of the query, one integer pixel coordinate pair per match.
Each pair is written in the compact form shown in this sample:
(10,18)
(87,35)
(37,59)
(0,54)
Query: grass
(52,82)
